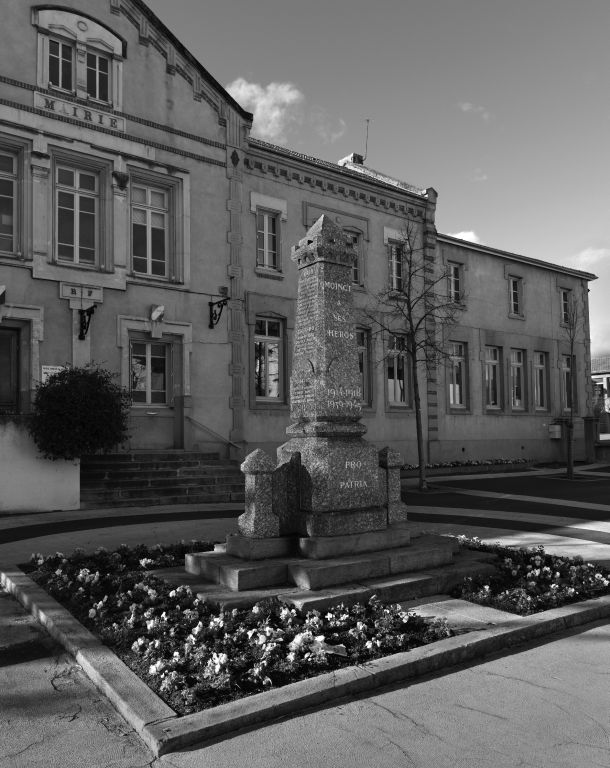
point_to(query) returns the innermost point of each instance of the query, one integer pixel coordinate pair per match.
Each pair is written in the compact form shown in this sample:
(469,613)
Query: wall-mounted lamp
(216,307)
(85,321)
(157,312)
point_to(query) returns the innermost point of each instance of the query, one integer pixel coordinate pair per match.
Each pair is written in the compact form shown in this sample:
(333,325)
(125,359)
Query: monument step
(239,575)
(410,586)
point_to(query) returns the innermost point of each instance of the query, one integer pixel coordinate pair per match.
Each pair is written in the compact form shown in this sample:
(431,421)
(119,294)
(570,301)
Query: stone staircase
(165,477)
(425,565)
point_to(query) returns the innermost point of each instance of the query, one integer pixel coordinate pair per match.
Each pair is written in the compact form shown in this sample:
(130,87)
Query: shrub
(78,411)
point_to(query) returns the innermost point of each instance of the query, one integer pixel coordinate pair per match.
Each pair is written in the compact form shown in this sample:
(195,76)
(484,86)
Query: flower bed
(196,655)
(468,466)
(530,580)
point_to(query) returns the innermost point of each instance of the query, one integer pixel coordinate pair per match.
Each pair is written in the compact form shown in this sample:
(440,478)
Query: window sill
(72,265)
(513,316)
(399,410)
(270,274)
(268,405)
(458,411)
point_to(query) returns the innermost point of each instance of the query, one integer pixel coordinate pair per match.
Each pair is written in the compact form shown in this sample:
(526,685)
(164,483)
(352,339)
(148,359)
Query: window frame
(99,56)
(397,349)
(148,402)
(461,357)
(79,195)
(565,295)
(396,252)
(364,365)
(518,367)
(14,178)
(567,364)
(62,45)
(176,233)
(268,215)
(515,297)
(104,219)
(541,387)
(354,239)
(455,296)
(150,210)
(13,335)
(267,340)
(495,366)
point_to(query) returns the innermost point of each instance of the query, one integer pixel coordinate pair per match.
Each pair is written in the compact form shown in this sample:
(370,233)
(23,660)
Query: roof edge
(399,186)
(152,17)
(589,276)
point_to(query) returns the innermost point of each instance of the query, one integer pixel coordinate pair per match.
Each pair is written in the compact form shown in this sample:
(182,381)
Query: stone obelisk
(341,485)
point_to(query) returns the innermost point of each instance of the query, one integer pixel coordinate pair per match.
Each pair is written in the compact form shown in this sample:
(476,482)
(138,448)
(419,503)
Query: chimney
(354,159)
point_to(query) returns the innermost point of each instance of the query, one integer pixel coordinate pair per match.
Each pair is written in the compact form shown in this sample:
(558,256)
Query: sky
(503,106)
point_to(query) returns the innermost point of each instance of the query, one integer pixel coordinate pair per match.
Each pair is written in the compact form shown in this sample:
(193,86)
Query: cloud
(479,175)
(476,109)
(589,256)
(327,128)
(277,107)
(469,235)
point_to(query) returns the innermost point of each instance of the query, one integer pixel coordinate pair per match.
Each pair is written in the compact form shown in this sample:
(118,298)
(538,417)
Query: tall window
(149,366)
(492,377)
(8,201)
(9,370)
(268,359)
(457,375)
(454,280)
(354,240)
(540,386)
(98,77)
(396,259)
(267,238)
(515,287)
(77,200)
(363,342)
(61,65)
(149,230)
(517,396)
(566,382)
(566,297)
(396,371)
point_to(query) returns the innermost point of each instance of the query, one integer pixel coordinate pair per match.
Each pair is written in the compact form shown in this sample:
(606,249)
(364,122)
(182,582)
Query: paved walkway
(541,705)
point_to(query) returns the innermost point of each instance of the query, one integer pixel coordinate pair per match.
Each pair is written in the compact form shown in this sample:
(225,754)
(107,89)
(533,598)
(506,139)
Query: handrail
(211,432)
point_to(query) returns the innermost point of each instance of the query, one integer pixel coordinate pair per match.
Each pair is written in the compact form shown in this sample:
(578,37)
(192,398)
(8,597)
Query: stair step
(165,500)
(396,589)
(307,574)
(147,456)
(161,482)
(145,478)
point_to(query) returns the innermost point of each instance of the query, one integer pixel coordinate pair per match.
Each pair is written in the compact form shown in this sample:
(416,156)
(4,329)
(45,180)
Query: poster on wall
(49,370)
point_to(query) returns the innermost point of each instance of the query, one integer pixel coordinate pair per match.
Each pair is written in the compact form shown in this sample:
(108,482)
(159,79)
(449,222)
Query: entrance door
(9,370)
(155,384)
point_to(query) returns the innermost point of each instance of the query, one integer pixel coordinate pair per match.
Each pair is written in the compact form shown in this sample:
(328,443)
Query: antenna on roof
(366,143)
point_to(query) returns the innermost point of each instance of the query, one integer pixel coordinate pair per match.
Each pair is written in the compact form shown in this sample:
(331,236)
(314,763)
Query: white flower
(156,668)
(92,613)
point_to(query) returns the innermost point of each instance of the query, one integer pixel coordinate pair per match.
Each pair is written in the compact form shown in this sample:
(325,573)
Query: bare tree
(413,314)
(573,320)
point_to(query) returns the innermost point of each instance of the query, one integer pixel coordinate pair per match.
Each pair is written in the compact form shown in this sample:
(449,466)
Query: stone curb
(124,689)
(164,731)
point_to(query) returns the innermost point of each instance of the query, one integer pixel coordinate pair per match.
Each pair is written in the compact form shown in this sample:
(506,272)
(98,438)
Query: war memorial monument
(328,511)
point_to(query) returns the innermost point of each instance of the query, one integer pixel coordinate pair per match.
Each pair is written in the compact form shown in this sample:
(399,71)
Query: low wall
(28,481)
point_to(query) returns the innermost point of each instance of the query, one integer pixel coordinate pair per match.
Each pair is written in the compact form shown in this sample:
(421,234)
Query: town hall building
(144,229)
